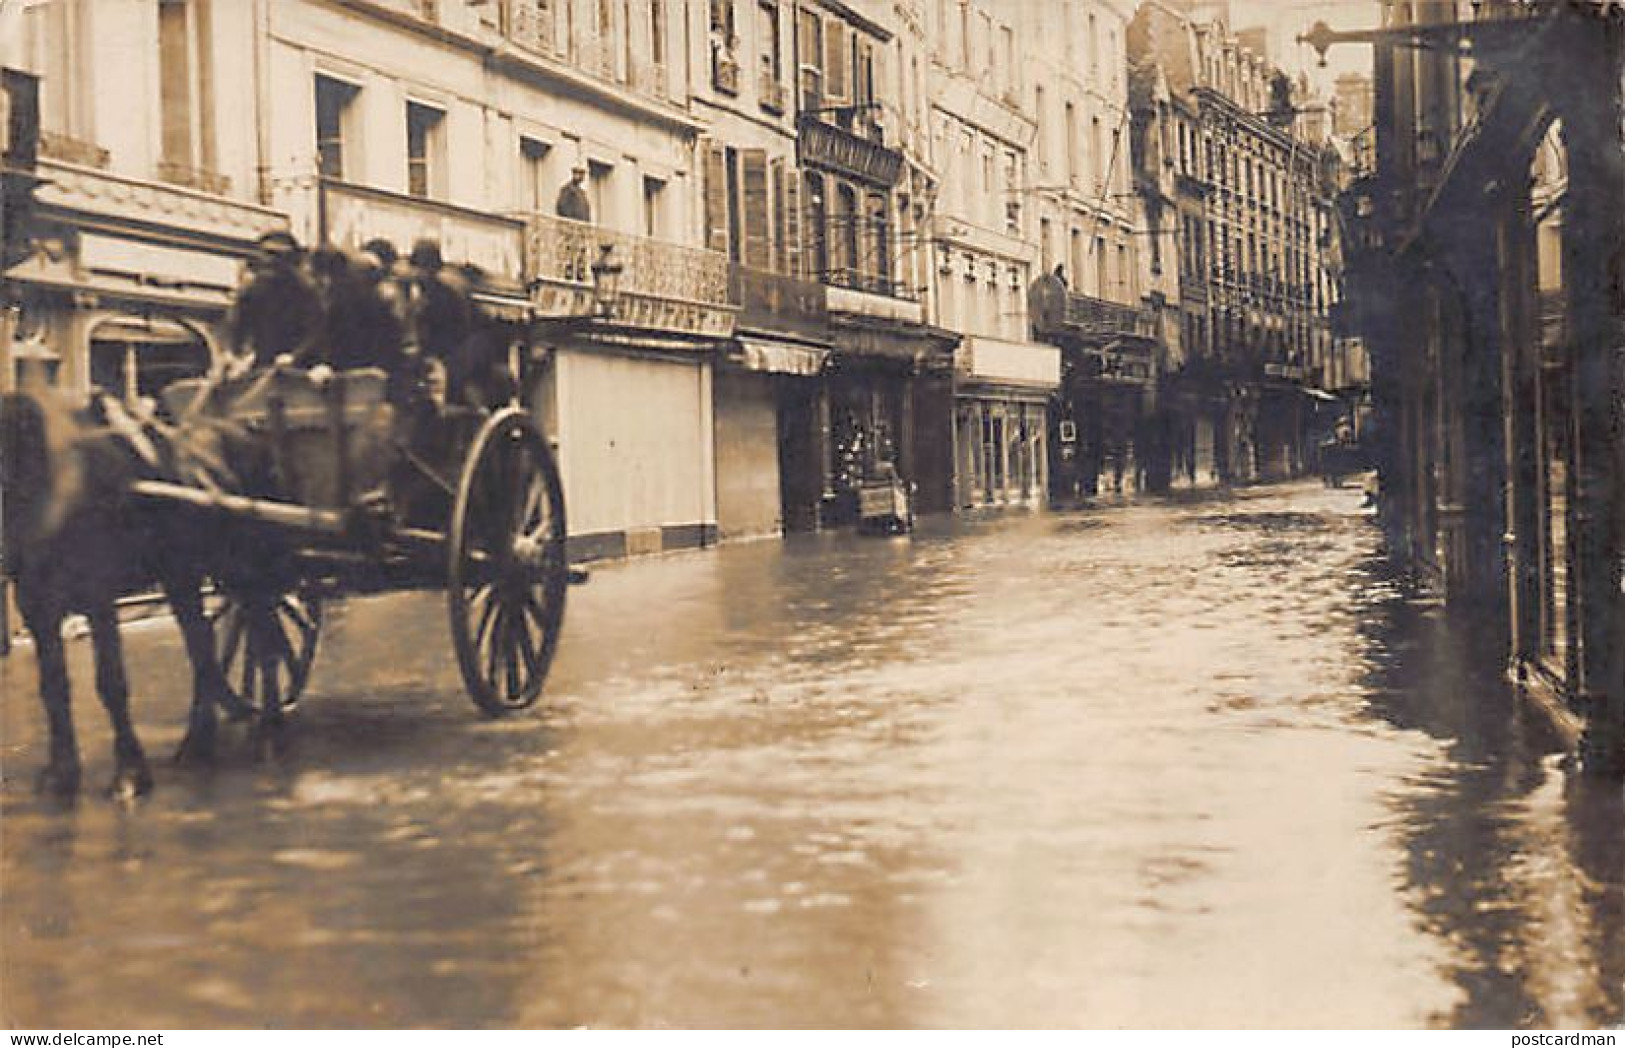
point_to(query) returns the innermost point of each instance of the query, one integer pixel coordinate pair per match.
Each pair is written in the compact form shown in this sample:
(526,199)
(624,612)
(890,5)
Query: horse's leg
(60,776)
(264,643)
(208,682)
(131,776)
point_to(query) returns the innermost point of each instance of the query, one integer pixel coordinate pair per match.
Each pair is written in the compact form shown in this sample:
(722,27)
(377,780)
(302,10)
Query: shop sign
(354,215)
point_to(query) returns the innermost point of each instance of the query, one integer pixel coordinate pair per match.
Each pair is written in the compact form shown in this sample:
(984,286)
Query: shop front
(104,294)
(624,375)
(889,390)
(1001,420)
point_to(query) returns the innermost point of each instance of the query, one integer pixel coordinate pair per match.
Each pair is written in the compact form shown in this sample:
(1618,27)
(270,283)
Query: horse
(76,539)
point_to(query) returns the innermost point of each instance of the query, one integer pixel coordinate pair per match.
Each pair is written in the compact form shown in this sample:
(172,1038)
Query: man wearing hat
(278,313)
(573,202)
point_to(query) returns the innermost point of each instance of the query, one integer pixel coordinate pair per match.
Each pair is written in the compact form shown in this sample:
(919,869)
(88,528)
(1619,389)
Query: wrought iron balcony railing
(871,283)
(863,156)
(534,28)
(660,284)
(1096,316)
(58,146)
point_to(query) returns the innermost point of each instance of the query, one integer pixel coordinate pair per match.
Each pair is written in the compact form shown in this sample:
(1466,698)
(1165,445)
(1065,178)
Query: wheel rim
(508,571)
(266,648)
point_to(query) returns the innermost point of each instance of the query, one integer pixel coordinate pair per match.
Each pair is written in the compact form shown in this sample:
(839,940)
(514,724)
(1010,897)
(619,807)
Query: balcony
(770,91)
(1099,320)
(534,31)
(724,71)
(56,146)
(533,28)
(771,301)
(663,286)
(845,151)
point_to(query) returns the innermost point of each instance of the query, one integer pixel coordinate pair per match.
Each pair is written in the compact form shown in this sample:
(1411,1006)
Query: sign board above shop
(353,215)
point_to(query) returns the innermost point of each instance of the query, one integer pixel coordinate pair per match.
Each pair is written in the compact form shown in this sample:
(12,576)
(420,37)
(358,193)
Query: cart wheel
(266,645)
(508,573)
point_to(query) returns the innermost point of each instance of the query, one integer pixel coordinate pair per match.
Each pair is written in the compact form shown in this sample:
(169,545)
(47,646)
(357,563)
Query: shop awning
(776,357)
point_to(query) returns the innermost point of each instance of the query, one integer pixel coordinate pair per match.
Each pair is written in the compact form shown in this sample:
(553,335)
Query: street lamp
(1423,35)
(606,282)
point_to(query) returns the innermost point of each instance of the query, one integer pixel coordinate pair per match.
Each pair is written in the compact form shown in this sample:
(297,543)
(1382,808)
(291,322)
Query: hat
(277,242)
(426,255)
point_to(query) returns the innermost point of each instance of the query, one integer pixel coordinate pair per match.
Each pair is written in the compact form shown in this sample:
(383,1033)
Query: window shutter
(753,164)
(792,223)
(775,181)
(716,198)
(836,55)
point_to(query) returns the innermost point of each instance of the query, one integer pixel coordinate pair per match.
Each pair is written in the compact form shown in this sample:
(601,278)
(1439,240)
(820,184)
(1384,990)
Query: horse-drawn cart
(356,497)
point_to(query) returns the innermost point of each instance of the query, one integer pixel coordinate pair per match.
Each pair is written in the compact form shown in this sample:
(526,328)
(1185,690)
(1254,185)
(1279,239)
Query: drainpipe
(262,101)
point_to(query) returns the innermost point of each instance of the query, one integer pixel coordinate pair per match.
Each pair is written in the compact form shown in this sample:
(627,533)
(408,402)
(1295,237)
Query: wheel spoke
(527,644)
(510,653)
(495,649)
(300,614)
(487,595)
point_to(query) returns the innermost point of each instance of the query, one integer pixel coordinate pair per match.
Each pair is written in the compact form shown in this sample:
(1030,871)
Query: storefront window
(135,357)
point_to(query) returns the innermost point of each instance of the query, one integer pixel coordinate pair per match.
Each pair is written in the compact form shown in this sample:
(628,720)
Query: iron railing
(559,250)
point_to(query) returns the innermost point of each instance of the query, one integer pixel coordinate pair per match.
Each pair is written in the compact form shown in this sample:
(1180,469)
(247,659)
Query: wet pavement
(1199,763)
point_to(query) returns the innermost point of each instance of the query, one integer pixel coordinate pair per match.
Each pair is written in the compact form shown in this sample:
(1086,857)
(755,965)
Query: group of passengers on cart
(329,310)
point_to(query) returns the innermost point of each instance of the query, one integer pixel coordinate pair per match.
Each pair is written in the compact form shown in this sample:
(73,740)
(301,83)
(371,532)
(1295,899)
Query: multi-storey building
(1487,260)
(1080,207)
(1243,198)
(982,127)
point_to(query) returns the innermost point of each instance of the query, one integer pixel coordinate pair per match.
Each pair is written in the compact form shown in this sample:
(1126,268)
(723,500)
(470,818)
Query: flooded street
(1195,763)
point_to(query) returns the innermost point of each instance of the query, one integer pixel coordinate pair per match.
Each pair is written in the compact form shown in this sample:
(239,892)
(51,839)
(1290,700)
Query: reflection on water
(1189,764)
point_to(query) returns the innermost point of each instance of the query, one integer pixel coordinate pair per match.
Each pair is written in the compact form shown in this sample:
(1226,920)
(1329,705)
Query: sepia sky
(1286,19)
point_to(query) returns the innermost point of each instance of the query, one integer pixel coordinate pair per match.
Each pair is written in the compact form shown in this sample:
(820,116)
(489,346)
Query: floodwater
(1195,763)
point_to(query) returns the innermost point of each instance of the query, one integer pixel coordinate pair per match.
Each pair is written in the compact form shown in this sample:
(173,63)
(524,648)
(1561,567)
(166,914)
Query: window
(653,194)
(185,91)
(657,33)
(1044,247)
(1007,59)
(964,36)
(598,191)
(1072,164)
(817,226)
(1094,45)
(767,16)
(425,150)
(1039,119)
(335,113)
(533,182)
(810,48)
(847,219)
(879,265)
(1101,159)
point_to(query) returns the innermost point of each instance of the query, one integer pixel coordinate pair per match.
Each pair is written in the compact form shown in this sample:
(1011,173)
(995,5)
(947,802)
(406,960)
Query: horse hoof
(57,781)
(195,750)
(130,784)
